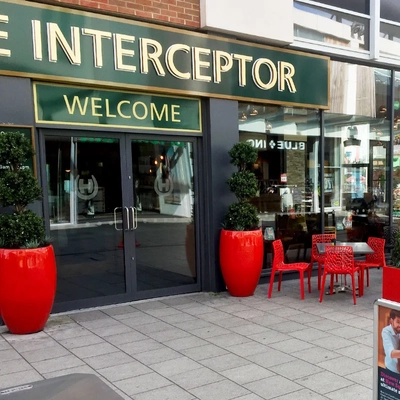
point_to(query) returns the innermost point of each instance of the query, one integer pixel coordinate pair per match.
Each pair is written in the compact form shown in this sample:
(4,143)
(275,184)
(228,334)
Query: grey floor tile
(158,355)
(347,332)
(114,329)
(249,329)
(33,344)
(171,392)
(250,396)
(342,366)
(121,338)
(192,325)
(269,336)
(295,369)
(269,321)
(204,352)
(19,378)
(315,354)
(325,325)
(138,319)
(85,316)
(168,334)
(81,341)
(124,371)
(187,342)
(55,351)
(69,333)
(140,346)
(287,326)
(229,340)
(230,322)
(81,369)
(142,383)
(309,335)
(175,366)
(9,354)
(176,318)
(324,382)
(209,332)
(356,392)
(222,390)
(358,352)
(119,310)
(224,362)
(55,364)
(332,342)
(108,360)
(158,326)
(366,339)
(249,314)
(94,350)
(13,365)
(304,394)
(291,345)
(364,377)
(246,373)
(247,349)
(199,309)
(195,378)
(270,358)
(274,386)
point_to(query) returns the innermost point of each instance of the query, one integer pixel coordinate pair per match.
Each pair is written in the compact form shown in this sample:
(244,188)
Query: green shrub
(396,252)
(242,216)
(18,188)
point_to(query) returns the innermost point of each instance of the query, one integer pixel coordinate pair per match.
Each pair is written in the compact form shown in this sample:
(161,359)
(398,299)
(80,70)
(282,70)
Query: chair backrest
(321,238)
(378,257)
(339,259)
(390,233)
(279,254)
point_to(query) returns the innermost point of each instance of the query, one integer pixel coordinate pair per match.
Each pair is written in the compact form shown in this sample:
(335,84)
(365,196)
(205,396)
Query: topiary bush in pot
(27,262)
(241,240)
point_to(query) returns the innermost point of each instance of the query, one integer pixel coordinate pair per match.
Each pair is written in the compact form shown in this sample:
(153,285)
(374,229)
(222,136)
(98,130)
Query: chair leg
(361,282)
(331,286)
(319,275)
(354,288)
(309,279)
(367,277)
(301,284)
(271,284)
(321,294)
(280,281)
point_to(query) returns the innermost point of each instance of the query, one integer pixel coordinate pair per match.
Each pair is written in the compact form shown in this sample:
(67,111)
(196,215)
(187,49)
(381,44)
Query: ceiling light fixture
(268,126)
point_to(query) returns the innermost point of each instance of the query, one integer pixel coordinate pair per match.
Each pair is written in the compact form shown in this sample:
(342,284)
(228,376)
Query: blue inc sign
(277,144)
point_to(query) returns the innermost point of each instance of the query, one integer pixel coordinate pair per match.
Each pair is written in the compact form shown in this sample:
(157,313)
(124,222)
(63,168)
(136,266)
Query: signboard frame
(383,378)
(28,131)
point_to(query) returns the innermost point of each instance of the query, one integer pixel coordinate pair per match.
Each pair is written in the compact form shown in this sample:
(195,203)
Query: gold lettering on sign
(76,102)
(55,36)
(242,67)
(198,64)
(220,67)
(95,106)
(175,113)
(108,113)
(120,52)
(153,57)
(97,44)
(154,112)
(4,35)
(272,71)
(145,111)
(37,40)
(286,73)
(119,109)
(170,60)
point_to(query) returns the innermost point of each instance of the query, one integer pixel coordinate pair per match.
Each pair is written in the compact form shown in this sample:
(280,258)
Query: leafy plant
(242,216)
(18,187)
(396,252)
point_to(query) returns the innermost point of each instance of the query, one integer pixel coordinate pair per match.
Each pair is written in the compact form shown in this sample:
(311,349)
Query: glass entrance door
(121,217)
(162,172)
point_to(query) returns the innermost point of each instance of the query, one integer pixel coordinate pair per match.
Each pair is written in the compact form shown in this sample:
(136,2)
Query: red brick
(176,9)
(143,14)
(88,3)
(153,10)
(118,3)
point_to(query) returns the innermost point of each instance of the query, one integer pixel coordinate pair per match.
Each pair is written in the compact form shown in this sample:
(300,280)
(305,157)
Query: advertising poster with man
(387,350)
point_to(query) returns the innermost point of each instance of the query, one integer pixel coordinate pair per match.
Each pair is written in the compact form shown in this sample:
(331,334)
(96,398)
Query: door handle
(115,218)
(134,218)
(127,219)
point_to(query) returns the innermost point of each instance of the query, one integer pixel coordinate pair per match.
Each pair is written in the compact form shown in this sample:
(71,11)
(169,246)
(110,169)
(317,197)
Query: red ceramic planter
(27,288)
(241,257)
(391,283)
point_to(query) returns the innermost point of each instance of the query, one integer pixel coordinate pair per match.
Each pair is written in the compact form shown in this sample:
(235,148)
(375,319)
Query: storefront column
(221,133)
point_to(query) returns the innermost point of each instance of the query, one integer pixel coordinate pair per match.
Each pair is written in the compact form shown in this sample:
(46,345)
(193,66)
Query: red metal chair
(315,256)
(375,260)
(278,265)
(339,260)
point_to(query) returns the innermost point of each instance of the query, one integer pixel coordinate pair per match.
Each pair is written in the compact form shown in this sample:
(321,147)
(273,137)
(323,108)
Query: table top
(359,248)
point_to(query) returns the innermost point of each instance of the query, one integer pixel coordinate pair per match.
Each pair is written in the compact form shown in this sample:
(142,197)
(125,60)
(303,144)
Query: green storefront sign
(52,43)
(90,106)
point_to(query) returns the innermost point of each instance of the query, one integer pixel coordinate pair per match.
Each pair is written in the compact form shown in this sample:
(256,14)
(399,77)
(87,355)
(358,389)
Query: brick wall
(177,12)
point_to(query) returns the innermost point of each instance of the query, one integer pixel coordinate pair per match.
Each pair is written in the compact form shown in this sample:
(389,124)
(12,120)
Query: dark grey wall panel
(16,102)
(221,133)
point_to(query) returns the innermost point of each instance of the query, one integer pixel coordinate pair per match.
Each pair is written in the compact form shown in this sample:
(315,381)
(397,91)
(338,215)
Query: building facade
(133,106)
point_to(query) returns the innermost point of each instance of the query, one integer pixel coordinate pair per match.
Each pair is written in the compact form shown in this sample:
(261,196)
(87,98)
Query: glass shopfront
(121,210)
(324,171)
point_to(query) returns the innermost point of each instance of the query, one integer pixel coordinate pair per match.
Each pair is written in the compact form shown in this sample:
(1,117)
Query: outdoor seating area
(336,259)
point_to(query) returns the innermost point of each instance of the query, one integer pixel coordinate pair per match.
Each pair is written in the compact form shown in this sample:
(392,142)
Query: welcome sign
(52,43)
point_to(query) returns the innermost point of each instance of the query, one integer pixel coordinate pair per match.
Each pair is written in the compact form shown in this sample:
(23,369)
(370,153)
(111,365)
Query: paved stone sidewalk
(210,346)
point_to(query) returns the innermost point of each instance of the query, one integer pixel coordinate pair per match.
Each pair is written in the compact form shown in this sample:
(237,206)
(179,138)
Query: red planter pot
(241,257)
(27,288)
(391,283)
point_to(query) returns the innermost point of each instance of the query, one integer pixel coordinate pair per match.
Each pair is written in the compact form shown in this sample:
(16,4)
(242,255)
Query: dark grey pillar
(221,133)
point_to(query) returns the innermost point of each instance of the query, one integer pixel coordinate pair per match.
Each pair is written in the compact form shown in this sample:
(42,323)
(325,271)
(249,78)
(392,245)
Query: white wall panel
(269,21)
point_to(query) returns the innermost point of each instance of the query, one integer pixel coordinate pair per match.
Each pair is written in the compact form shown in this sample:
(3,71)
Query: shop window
(335,23)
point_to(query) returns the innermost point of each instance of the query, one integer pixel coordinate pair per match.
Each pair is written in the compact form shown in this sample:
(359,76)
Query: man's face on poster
(395,323)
